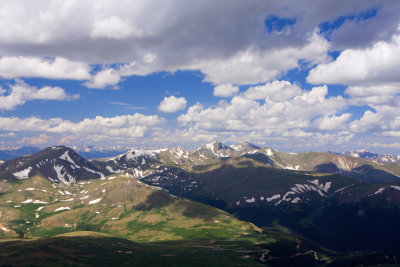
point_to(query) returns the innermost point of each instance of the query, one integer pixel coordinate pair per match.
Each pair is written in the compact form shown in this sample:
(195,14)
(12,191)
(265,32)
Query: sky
(293,75)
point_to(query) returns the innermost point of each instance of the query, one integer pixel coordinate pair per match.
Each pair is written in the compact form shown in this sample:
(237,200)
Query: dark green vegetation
(94,249)
(333,210)
(89,249)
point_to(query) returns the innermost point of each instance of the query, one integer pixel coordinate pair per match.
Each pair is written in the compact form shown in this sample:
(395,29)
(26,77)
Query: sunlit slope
(116,205)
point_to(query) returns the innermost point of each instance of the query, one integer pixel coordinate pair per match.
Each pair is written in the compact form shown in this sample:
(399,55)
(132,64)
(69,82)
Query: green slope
(120,206)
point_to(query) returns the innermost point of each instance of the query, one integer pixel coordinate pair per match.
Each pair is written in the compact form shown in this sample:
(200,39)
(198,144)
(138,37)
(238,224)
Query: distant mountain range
(329,198)
(8,153)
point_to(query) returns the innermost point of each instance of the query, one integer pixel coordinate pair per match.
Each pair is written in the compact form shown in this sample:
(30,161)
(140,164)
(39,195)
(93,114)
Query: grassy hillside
(120,206)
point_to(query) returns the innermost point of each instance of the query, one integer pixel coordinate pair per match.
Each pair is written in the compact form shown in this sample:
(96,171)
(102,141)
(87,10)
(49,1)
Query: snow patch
(269,199)
(24,174)
(30,189)
(66,200)
(37,201)
(380,191)
(66,157)
(251,200)
(95,201)
(62,208)
(62,177)
(395,187)
(296,200)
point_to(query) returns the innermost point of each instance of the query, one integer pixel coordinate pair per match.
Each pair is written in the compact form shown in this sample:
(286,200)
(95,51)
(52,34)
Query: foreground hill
(93,249)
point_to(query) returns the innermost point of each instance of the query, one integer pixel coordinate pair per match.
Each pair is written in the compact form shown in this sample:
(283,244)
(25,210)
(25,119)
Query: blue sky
(293,75)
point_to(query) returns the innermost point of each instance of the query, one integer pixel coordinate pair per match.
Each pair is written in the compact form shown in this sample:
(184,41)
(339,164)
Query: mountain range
(343,202)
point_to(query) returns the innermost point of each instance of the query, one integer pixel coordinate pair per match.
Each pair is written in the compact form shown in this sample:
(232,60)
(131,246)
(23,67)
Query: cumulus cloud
(110,77)
(333,122)
(229,45)
(225,90)
(385,119)
(384,145)
(229,42)
(20,92)
(370,66)
(275,91)
(35,140)
(374,95)
(57,68)
(172,104)
(103,79)
(115,28)
(252,66)
(124,126)
(272,117)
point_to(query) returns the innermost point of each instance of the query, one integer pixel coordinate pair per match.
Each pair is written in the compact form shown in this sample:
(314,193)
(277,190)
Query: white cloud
(275,91)
(358,91)
(115,28)
(104,79)
(110,77)
(333,122)
(124,126)
(58,68)
(19,93)
(172,104)
(384,145)
(273,117)
(252,66)
(383,120)
(371,66)
(36,140)
(229,45)
(391,133)
(370,121)
(373,95)
(225,90)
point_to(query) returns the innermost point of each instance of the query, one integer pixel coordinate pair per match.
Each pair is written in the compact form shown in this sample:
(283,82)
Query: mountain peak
(57,163)
(244,146)
(216,146)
